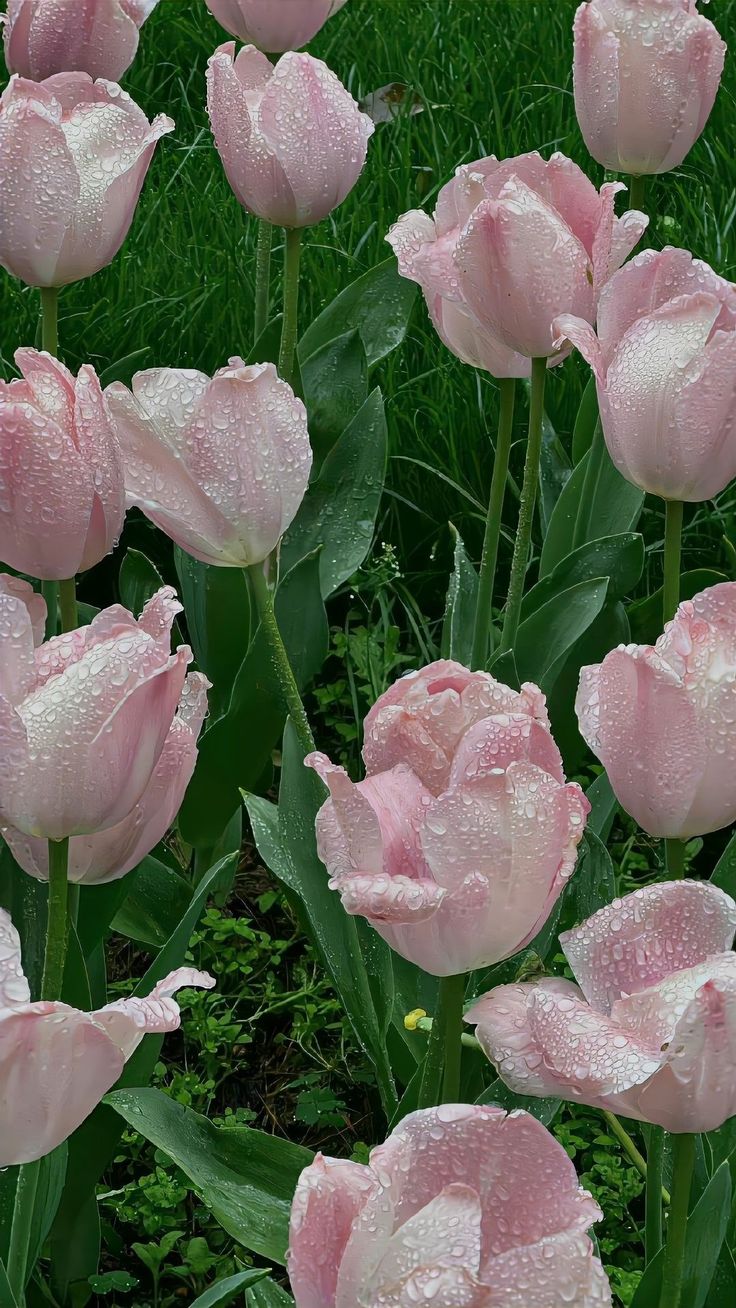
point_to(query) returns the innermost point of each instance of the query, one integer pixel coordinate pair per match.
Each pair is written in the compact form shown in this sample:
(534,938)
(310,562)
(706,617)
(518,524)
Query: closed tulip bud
(274,25)
(464,871)
(62,491)
(440,1214)
(646,76)
(534,235)
(109,854)
(57,1062)
(292,140)
(85,719)
(664,362)
(73,157)
(219,463)
(650,1032)
(99,37)
(661,720)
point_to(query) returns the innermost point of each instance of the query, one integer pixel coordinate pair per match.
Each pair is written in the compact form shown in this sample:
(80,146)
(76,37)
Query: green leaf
(585,422)
(608,629)
(544,638)
(545,1110)
(246,1178)
(724,872)
(706,1231)
(554,470)
(620,558)
(25,900)
(603,806)
(226,1290)
(6,1290)
(267,1294)
(593,883)
(596,502)
(139,579)
(235,751)
(645,616)
(462,597)
(335,385)
(339,510)
(157,900)
(377,305)
(217,606)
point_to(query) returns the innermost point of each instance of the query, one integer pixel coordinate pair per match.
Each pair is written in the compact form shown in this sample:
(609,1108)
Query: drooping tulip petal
(98,37)
(274,27)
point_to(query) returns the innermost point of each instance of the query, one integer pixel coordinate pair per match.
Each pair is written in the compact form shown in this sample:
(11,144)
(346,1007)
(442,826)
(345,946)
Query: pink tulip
(662,721)
(651,1033)
(463,872)
(274,25)
(441,1214)
(664,362)
(73,157)
(62,492)
(85,718)
(292,140)
(646,77)
(56,1062)
(535,240)
(99,37)
(220,464)
(35,604)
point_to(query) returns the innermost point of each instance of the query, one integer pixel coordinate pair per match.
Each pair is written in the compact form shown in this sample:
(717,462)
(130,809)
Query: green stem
(674,858)
(441,1075)
(507,388)
(526,508)
(263,278)
(57,924)
(637,192)
(674,1254)
(292,255)
(20,1231)
(672,552)
(50,592)
(68,604)
(50,319)
(291,698)
(653,1194)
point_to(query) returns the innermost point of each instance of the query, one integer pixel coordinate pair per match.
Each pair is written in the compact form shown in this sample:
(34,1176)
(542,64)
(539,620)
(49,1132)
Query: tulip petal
(559,1272)
(51,384)
(496,742)
(444,1236)
(127,1020)
(17,659)
(34,603)
(635,942)
(580,334)
(596,82)
(99,449)
(705,422)
(503,1029)
(14,989)
(329,1195)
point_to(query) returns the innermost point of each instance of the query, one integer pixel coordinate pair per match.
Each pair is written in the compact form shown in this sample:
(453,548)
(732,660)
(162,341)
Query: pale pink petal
(51,385)
(274,27)
(580,334)
(596,83)
(503,1028)
(704,429)
(474,344)
(653,1014)
(34,602)
(560,1272)
(497,741)
(128,1020)
(17,662)
(329,1195)
(99,37)
(14,989)
(99,448)
(438,1250)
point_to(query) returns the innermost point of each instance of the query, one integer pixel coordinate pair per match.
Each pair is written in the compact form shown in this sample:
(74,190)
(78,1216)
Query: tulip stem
(50,592)
(674,1254)
(283,671)
(482,631)
(640,1163)
(674,858)
(672,552)
(50,319)
(20,1232)
(57,925)
(441,1074)
(68,604)
(637,192)
(292,255)
(263,278)
(526,508)
(653,1194)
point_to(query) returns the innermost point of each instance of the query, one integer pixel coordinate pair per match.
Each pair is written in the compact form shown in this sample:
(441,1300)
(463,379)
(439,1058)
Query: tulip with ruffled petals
(62,490)
(646,76)
(292,140)
(464,871)
(219,463)
(651,1032)
(85,718)
(73,157)
(664,362)
(56,1062)
(109,854)
(272,25)
(99,37)
(520,241)
(662,720)
(440,1214)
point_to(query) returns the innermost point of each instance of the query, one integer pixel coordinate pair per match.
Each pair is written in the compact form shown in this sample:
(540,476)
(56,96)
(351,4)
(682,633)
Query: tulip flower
(220,464)
(84,719)
(73,157)
(441,1214)
(661,719)
(646,76)
(651,1030)
(62,490)
(56,1062)
(465,874)
(274,27)
(292,140)
(664,362)
(43,37)
(520,241)
(109,854)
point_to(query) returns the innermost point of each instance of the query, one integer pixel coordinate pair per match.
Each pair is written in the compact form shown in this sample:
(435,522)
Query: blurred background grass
(494,76)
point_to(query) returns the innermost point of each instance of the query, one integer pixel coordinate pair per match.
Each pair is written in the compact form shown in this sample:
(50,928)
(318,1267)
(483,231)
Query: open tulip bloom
(441,1214)
(99,37)
(272,25)
(650,1032)
(56,1062)
(463,834)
